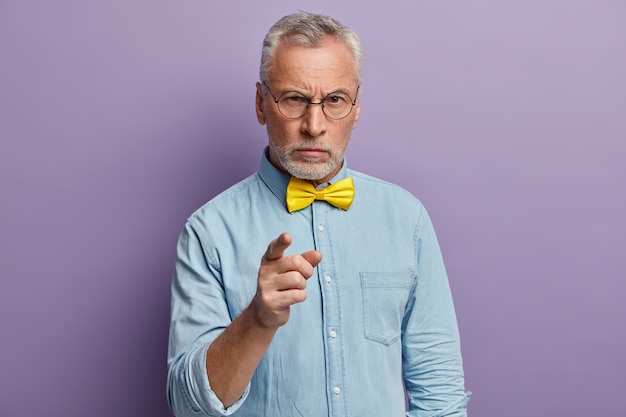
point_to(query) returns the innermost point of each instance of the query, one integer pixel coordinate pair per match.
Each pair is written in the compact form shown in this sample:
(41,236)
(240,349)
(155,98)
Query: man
(350,303)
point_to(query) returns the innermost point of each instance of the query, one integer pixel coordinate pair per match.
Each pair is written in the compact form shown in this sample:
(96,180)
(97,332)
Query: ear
(357,110)
(259,102)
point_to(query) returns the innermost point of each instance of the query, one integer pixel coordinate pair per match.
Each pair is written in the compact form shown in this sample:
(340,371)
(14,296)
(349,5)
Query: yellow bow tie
(301,194)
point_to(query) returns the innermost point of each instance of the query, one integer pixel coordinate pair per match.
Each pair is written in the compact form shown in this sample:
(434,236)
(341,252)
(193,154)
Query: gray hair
(308,29)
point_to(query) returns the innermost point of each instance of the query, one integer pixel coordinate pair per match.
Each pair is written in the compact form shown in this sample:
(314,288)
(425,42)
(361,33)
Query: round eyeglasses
(293,105)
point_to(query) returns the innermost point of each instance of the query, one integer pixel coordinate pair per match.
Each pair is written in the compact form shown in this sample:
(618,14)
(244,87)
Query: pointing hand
(282,281)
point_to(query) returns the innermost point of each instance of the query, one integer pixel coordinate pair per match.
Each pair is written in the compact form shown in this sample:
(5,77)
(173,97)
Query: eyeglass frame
(309,102)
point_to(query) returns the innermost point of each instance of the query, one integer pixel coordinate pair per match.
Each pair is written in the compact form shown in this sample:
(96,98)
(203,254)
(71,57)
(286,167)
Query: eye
(294,99)
(336,99)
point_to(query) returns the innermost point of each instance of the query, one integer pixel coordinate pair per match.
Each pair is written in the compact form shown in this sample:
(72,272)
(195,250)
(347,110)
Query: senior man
(348,308)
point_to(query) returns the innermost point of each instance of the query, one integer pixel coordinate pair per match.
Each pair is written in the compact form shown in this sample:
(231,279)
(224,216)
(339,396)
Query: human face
(311,147)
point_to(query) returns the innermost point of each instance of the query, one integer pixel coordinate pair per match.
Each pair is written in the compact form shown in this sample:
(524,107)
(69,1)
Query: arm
(211,360)
(433,369)
(234,356)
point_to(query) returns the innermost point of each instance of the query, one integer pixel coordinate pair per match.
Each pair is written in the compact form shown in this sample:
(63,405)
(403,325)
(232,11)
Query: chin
(310,171)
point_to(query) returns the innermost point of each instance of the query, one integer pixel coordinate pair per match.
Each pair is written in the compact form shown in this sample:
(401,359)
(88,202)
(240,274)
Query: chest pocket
(385,295)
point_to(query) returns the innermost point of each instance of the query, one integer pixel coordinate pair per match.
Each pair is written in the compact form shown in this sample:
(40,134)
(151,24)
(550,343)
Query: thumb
(313,257)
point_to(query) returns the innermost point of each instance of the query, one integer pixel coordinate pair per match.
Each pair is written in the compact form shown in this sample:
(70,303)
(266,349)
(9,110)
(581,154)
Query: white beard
(309,168)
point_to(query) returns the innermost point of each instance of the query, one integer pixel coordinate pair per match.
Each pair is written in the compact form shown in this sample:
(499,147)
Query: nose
(314,120)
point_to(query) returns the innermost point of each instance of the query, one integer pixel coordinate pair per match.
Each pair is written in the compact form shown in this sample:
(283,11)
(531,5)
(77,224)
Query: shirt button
(320,228)
(327,278)
(333,334)
(336,390)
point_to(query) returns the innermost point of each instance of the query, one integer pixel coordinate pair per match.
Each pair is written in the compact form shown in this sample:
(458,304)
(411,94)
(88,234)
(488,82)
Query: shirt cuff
(207,399)
(456,409)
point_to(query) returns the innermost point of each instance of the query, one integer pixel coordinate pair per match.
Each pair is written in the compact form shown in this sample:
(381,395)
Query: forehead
(329,65)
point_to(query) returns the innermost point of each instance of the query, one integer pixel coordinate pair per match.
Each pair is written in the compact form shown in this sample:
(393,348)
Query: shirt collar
(277,181)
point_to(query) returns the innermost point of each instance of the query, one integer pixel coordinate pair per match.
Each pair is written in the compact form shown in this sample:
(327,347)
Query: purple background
(119,118)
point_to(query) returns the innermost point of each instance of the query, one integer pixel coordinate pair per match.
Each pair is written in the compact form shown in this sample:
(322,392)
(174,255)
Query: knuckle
(298,296)
(298,263)
(269,301)
(296,280)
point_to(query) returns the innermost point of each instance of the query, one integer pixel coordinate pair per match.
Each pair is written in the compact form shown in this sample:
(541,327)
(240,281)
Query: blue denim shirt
(378,316)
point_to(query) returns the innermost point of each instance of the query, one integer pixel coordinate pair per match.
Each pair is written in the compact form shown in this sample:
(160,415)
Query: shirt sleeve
(432,364)
(199,314)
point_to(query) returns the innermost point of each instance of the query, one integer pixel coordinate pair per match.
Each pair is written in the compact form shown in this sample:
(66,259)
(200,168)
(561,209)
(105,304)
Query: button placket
(335,366)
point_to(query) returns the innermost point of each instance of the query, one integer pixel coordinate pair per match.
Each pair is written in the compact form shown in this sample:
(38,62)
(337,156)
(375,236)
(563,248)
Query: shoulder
(228,201)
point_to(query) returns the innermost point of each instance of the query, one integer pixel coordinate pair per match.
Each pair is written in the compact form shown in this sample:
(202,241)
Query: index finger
(277,247)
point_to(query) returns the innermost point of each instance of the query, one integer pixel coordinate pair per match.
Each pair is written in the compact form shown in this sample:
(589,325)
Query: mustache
(300,146)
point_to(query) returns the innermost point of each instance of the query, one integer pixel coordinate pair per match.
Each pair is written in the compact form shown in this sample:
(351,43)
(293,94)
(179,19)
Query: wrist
(256,323)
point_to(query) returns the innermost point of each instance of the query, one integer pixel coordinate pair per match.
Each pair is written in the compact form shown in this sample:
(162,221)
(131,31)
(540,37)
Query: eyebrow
(309,97)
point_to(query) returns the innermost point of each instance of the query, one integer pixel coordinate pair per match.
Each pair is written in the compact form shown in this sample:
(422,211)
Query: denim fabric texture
(378,318)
